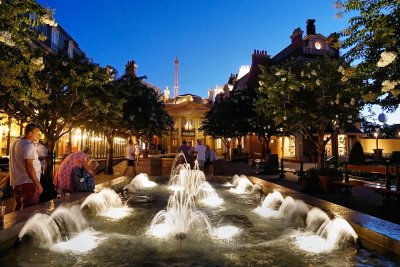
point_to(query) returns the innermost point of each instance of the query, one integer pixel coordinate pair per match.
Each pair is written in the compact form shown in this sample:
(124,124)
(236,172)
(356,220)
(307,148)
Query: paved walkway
(363,199)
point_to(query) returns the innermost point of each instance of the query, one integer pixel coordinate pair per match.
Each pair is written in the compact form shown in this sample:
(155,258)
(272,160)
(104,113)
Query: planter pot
(326,184)
(145,154)
(308,186)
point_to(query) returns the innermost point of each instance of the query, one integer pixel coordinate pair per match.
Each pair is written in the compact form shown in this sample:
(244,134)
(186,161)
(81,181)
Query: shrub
(357,154)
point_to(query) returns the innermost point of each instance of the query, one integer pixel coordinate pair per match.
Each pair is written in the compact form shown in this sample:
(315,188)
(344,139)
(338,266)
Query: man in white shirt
(201,154)
(23,177)
(130,157)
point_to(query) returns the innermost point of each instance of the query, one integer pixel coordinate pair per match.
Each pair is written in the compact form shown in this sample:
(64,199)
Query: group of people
(25,168)
(204,155)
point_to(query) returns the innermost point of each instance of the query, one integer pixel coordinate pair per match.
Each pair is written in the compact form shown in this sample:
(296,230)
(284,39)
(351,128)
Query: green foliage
(234,116)
(143,110)
(372,32)
(357,154)
(20,59)
(310,97)
(331,172)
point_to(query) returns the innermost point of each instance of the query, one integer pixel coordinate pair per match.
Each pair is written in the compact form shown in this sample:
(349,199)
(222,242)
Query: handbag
(82,180)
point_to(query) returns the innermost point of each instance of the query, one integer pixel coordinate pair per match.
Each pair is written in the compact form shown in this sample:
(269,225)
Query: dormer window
(318,45)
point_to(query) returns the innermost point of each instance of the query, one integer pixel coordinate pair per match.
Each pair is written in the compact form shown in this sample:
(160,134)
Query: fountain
(99,202)
(236,234)
(180,218)
(46,230)
(140,182)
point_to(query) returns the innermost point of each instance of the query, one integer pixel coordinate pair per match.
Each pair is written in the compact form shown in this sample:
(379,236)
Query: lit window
(188,125)
(318,45)
(174,142)
(218,143)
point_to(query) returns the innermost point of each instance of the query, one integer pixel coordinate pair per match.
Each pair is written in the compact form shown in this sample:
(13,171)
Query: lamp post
(376,134)
(377,150)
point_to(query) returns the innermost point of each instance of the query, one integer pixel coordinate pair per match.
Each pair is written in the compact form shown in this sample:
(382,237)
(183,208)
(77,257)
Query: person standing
(137,153)
(130,157)
(23,177)
(191,154)
(201,154)
(185,150)
(210,158)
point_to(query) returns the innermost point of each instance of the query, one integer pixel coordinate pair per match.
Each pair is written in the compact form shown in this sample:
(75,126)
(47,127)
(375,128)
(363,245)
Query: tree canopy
(310,97)
(143,111)
(372,42)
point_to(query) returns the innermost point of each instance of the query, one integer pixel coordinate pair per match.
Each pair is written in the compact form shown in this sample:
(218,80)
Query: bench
(256,159)
(387,193)
(282,170)
(387,190)
(294,171)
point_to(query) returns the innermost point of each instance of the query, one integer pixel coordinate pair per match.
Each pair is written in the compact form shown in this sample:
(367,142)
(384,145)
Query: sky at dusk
(211,38)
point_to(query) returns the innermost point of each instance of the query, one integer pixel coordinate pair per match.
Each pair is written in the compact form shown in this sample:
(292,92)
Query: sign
(186,133)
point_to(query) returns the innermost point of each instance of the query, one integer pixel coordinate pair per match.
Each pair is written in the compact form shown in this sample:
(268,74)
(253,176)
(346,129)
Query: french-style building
(187,112)
(310,46)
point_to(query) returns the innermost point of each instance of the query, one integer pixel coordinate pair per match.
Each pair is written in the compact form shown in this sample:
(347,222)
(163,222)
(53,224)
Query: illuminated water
(239,237)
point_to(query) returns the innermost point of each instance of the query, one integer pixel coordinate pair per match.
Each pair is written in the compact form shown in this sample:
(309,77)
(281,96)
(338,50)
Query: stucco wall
(388,145)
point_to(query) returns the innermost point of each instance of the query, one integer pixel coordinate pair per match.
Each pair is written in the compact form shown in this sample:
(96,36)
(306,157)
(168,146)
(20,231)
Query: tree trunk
(110,156)
(50,161)
(321,151)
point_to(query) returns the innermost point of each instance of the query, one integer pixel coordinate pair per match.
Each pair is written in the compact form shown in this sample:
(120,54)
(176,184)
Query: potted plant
(309,180)
(326,176)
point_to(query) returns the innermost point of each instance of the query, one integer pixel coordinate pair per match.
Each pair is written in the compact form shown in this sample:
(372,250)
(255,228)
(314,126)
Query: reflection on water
(237,236)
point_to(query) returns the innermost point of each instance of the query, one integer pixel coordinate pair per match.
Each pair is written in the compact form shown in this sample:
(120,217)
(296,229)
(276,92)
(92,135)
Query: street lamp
(377,150)
(376,134)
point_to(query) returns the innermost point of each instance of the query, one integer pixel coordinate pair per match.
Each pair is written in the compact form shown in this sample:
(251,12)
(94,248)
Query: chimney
(130,68)
(259,57)
(310,27)
(211,95)
(297,38)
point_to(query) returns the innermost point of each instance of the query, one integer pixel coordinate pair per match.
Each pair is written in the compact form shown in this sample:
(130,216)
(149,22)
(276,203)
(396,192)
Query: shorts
(25,195)
(131,162)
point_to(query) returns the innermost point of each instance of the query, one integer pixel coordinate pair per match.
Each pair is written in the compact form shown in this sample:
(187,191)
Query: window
(71,49)
(218,143)
(188,125)
(318,45)
(174,142)
(54,39)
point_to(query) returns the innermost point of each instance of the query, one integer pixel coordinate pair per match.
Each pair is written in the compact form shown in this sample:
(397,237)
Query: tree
(235,116)
(372,38)
(217,121)
(107,114)
(66,85)
(143,110)
(310,98)
(20,57)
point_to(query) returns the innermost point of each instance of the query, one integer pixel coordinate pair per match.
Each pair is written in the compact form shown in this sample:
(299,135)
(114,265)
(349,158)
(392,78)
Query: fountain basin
(373,232)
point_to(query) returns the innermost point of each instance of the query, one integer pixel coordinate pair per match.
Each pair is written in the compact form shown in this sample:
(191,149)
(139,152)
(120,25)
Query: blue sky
(212,38)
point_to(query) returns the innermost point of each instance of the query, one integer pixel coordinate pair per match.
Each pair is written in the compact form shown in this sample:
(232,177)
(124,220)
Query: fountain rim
(374,233)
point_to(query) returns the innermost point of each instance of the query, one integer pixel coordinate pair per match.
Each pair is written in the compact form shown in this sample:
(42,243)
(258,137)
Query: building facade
(187,112)
(308,47)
